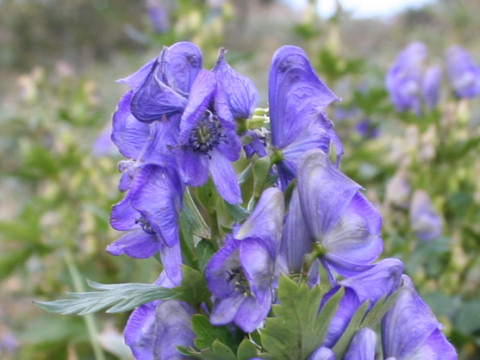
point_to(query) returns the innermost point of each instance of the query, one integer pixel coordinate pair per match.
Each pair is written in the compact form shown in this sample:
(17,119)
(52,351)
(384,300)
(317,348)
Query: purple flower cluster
(177,127)
(410,82)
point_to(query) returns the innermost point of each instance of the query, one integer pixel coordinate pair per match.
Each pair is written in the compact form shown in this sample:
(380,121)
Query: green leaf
(204,251)
(115,297)
(193,218)
(246,350)
(193,289)
(297,329)
(218,351)
(208,333)
(237,212)
(467,320)
(13,259)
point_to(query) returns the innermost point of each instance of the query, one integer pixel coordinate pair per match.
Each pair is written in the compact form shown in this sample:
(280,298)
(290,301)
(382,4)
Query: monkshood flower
(335,219)
(404,78)
(463,72)
(431,85)
(410,330)
(363,345)
(424,219)
(242,275)
(155,329)
(297,101)
(208,102)
(149,212)
(257,142)
(380,280)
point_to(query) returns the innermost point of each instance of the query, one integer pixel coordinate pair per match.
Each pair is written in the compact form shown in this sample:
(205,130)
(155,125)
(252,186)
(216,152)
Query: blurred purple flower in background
(404,78)
(159,15)
(432,82)
(410,330)
(463,72)
(424,219)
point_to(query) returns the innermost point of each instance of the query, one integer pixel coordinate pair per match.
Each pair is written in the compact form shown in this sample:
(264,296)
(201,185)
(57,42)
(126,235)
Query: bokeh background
(58,169)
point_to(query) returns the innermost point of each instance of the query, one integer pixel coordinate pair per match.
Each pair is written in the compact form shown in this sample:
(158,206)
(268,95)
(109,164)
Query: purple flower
(336,218)
(241,275)
(297,99)
(150,212)
(382,279)
(432,82)
(322,353)
(463,72)
(256,142)
(425,221)
(411,331)
(159,15)
(404,78)
(363,345)
(155,329)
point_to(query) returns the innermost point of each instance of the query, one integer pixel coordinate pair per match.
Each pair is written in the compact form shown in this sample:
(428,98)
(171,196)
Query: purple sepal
(137,244)
(431,85)
(363,345)
(241,93)
(411,331)
(463,72)
(322,353)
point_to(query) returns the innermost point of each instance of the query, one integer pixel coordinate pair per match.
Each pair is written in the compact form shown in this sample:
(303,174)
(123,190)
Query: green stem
(89,319)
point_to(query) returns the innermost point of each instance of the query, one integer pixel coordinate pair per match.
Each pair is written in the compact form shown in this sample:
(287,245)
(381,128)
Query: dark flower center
(207,134)
(145,225)
(237,276)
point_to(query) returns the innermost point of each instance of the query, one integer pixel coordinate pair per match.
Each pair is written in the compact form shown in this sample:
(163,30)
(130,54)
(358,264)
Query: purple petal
(224,177)
(181,64)
(137,244)
(257,262)
(231,146)
(324,193)
(241,93)
(224,310)
(252,312)
(171,257)
(193,166)
(322,353)
(380,280)
(346,309)
(265,222)
(217,271)
(201,95)
(140,331)
(410,325)
(436,347)
(356,238)
(136,79)
(159,200)
(173,328)
(363,345)
(296,94)
(123,216)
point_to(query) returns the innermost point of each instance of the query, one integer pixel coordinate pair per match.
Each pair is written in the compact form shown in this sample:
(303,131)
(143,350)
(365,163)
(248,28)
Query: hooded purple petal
(159,200)
(363,345)
(137,78)
(224,177)
(410,328)
(241,93)
(181,64)
(324,192)
(296,94)
(463,72)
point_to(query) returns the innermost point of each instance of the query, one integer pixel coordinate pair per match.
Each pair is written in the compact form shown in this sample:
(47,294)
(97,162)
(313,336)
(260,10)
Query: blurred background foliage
(58,63)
